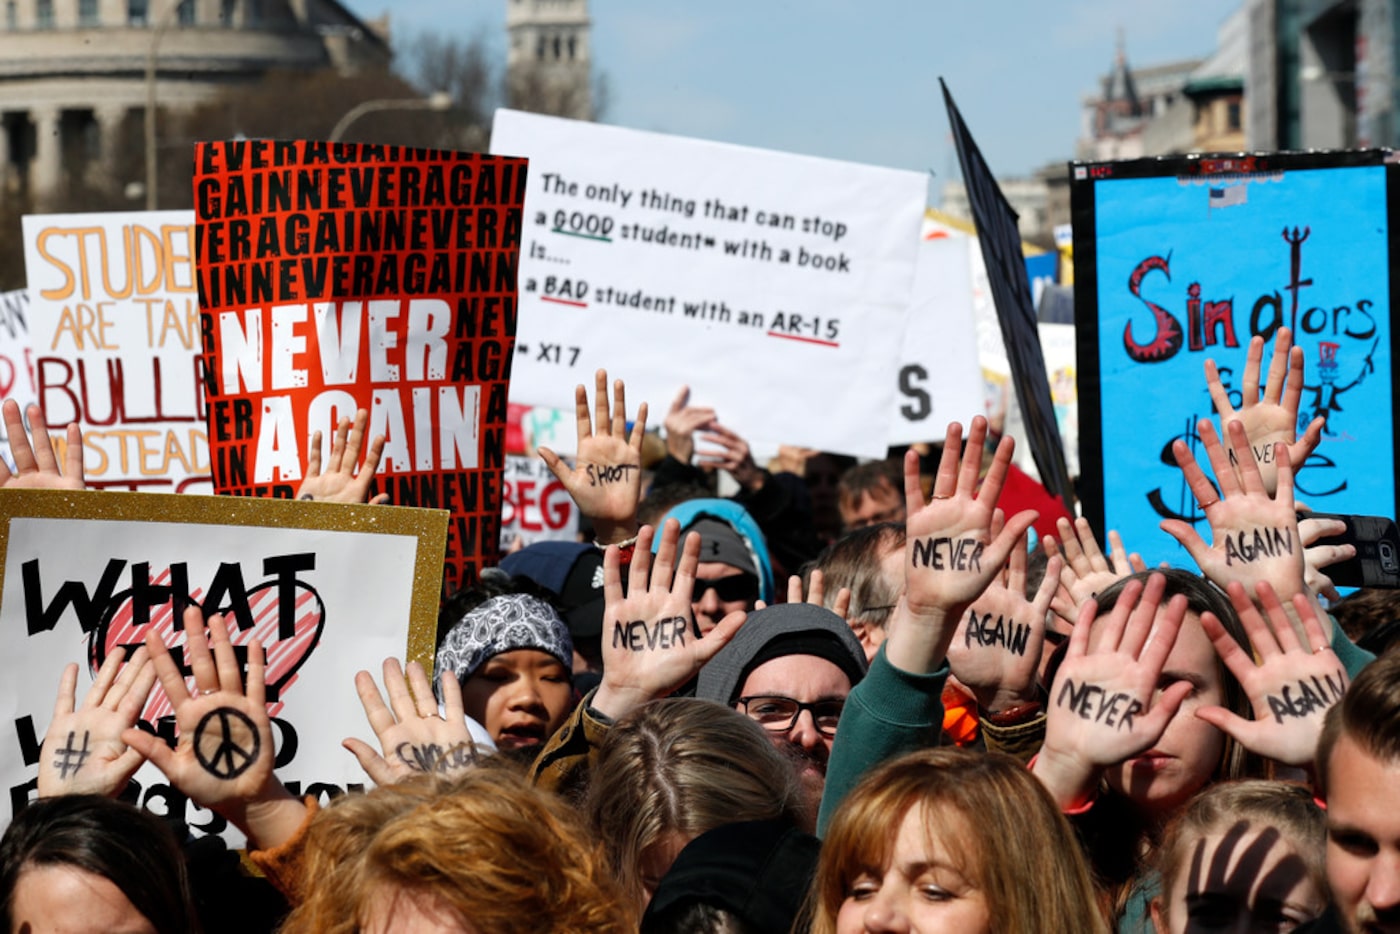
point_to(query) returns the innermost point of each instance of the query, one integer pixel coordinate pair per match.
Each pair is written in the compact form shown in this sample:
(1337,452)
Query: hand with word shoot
(223,758)
(1274,420)
(36,467)
(606,482)
(1254,533)
(651,645)
(415,739)
(1292,685)
(1086,570)
(1102,706)
(996,649)
(83,751)
(951,555)
(342,482)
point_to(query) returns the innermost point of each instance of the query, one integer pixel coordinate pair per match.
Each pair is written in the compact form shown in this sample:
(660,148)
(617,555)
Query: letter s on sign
(921,406)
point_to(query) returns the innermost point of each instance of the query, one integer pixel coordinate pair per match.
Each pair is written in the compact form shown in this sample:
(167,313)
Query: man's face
(808,679)
(721,589)
(1363,838)
(882,504)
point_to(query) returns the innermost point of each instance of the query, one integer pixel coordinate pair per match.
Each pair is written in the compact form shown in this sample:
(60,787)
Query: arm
(83,751)
(342,482)
(36,467)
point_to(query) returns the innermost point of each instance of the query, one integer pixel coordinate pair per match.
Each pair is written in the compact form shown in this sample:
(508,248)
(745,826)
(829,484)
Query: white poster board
(115,325)
(329,589)
(535,507)
(16,358)
(776,286)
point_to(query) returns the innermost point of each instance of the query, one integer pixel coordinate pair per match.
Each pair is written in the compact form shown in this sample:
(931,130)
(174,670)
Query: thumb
(1188,537)
(714,640)
(1156,720)
(151,748)
(555,464)
(1229,723)
(372,762)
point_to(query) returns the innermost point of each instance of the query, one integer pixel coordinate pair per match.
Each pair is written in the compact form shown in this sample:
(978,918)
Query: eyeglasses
(728,589)
(779,714)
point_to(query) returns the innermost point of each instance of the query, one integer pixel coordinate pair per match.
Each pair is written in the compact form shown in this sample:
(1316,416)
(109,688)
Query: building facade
(548,63)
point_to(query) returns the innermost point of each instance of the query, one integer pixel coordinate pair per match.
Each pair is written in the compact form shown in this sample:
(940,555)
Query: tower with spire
(548,65)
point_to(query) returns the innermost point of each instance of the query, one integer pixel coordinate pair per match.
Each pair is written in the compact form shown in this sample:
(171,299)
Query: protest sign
(776,286)
(115,328)
(1184,259)
(535,506)
(329,589)
(16,358)
(334,277)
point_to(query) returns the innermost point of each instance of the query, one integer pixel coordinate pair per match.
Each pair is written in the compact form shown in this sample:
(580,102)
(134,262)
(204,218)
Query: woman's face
(521,697)
(68,900)
(922,890)
(1185,758)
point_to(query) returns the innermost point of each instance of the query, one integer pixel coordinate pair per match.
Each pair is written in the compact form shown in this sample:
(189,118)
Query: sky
(856,81)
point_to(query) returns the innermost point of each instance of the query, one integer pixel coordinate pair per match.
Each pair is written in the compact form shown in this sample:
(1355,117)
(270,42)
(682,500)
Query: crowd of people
(847,697)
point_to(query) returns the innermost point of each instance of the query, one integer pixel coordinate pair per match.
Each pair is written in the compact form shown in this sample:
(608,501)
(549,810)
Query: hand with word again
(36,467)
(733,456)
(415,739)
(607,481)
(1086,570)
(1291,686)
(1274,419)
(1316,557)
(651,645)
(83,751)
(816,593)
(342,482)
(682,421)
(996,649)
(1102,709)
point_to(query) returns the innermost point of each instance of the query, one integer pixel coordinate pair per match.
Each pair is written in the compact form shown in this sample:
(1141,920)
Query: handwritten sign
(329,589)
(747,274)
(1181,260)
(535,506)
(114,322)
(16,357)
(334,277)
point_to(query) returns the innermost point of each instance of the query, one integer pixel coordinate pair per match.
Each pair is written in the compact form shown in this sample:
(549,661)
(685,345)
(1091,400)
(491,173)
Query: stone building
(75,75)
(548,62)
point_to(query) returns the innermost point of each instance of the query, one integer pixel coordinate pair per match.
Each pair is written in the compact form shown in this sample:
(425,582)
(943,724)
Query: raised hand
(1273,419)
(36,467)
(83,751)
(816,594)
(1291,686)
(682,421)
(342,482)
(732,455)
(1102,707)
(606,482)
(996,649)
(414,737)
(651,645)
(1316,557)
(1086,570)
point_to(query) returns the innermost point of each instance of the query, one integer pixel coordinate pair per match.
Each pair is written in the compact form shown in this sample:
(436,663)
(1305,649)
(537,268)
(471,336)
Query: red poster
(334,277)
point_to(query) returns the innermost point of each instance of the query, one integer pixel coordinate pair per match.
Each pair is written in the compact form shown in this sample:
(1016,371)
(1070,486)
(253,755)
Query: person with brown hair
(951,840)
(869,493)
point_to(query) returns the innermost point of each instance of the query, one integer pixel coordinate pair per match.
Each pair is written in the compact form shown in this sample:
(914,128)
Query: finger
(376,711)
(67,691)
(1016,565)
(1153,656)
(126,678)
(452,705)
(1242,731)
(619,414)
(612,578)
(1293,388)
(1283,635)
(1090,544)
(1321,556)
(372,762)
(73,456)
(151,748)
(371,464)
(225,660)
(1312,437)
(556,466)
(424,703)
(106,676)
(684,585)
(139,691)
(256,689)
(1084,625)
(1236,659)
(1278,367)
(1310,530)
(1143,616)
(396,686)
(945,482)
(43,444)
(971,467)
(1071,547)
(581,417)
(1218,396)
(1189,538)
(794,589)
(350,456)
(172,682)
(19,440)
(313,456)
(1154,723)
(998,553)
(1312,626)
(1283,461)
(1136,563)
(639,428)
(1117,553)
(1254,357)
(711,642)
(601,415)
(638,579)
(678,403)
(996,473)
(1247,467)
(1049,584)
(841,606)
(197,654)
(816,588)
(1225,478)
(379,500)
(342,428)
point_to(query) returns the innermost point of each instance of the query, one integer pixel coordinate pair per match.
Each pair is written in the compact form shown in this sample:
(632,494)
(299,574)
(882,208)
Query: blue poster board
(1183,259)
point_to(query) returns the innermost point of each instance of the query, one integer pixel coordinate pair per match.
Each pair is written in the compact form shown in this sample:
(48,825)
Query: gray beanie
(503,624)
(775,632)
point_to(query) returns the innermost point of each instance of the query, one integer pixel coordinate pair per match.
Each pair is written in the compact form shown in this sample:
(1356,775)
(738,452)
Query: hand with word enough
(651,645)
(342,482)
(1291,687)
(1086,570)
(950,555)
(224,755)
(1102,709)
(83,751)
(996,649)
(36,467)
(682,421)
(415,739)
(606,482)
(1274,419)
(733,456)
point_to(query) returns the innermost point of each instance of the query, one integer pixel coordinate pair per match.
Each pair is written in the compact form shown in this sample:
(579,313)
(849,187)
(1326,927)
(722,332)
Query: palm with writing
(1291,686)
(83,751)
(1086,570)
(606,481)
(1000,670)
(650,642)
(414,738)
(36,466)
(1102,708)
(345,480)
(1274,418)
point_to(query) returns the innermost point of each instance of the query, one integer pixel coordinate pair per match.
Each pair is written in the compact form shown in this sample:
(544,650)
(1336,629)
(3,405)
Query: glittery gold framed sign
(328,589)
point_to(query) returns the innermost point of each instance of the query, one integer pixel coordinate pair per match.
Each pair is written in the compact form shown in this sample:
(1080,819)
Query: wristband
(1014,716)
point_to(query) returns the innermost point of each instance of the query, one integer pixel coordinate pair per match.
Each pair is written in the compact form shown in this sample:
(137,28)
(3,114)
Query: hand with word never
(1086,570)
(1102,709)
(996,649)
(83,751)
(36,467)
(224,755)
(1274,419)
(606,482)
(1292,685)
(733,456)
(951,554)
(651,645)
(342,482)
(682,421)
(415,739)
